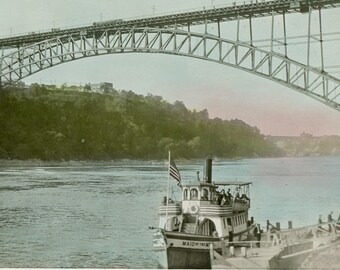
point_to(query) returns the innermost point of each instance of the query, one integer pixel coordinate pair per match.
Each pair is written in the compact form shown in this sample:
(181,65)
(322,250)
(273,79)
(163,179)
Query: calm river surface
(98,216)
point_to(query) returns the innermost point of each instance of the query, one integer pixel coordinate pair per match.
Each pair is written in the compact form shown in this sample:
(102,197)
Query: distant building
(103,87)
(306,135)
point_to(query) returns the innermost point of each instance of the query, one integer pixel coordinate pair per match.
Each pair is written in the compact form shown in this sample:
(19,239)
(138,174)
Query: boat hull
(184,251)
(186,258)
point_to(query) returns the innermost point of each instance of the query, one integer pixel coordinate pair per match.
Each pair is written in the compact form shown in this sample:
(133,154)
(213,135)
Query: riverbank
(64,163)
(70,163)
(56,124)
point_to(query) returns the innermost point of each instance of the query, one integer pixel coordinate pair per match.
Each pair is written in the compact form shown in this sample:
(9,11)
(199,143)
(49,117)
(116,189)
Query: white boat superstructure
(207,213)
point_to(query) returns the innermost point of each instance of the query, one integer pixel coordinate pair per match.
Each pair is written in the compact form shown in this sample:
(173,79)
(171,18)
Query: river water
(98,216)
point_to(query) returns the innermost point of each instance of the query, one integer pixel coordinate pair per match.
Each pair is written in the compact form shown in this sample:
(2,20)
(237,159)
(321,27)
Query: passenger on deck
(229,194)
(245,198)
(215,197)
(237,197)
(257,234)
(220,197)
(215,234)
(224,198)
(229,197)
(330,219)
(164,200)
(319,223)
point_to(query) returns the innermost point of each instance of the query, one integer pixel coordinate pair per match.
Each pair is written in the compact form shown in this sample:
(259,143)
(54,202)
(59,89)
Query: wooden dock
(290,248)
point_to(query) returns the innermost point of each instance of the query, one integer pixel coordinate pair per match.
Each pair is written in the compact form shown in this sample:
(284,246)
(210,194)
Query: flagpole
(167,197)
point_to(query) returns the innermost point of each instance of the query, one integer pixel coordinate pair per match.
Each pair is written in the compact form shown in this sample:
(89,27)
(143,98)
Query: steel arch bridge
(25,55)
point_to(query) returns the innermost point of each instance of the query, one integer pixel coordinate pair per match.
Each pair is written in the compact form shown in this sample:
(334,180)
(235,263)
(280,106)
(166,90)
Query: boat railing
(173,207)
(215,209)
(313,231)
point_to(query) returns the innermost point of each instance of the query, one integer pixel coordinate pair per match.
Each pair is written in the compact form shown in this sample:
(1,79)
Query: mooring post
(290,225)
(244,252)
(278,226)
(223,246)
(232,251)
(211,251)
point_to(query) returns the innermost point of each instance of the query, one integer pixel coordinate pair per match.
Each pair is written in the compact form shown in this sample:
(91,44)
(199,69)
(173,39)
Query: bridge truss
(179,34)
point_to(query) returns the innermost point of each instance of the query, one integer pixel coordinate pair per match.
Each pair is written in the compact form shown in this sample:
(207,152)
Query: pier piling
(278,226)
(290,225)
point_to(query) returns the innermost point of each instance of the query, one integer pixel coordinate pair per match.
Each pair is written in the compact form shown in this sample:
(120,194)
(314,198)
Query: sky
(226,92)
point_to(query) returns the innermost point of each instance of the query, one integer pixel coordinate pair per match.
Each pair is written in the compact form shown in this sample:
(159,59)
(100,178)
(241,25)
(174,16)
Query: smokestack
(208,170)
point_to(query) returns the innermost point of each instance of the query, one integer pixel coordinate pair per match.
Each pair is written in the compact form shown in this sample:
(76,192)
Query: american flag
(174,172)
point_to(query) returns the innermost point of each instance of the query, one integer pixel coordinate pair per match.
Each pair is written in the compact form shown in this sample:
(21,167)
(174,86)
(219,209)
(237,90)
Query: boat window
(225,226)
(193,193)
(185,194)
(205,196)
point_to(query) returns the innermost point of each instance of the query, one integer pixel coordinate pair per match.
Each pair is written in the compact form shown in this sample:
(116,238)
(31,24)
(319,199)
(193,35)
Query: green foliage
(54,125)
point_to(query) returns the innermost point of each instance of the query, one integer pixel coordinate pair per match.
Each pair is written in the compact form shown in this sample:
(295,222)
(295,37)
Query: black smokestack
(208,170)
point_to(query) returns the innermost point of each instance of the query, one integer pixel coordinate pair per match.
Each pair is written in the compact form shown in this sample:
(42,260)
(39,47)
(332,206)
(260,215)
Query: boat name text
(195,244)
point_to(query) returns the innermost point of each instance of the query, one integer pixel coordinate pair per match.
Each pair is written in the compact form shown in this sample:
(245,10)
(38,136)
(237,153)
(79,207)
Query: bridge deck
(229,13)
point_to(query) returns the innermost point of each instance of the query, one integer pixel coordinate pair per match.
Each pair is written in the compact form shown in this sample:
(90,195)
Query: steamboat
(210,213)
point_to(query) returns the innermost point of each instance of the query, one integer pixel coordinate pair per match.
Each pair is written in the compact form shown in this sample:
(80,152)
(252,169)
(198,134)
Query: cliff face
(307,145)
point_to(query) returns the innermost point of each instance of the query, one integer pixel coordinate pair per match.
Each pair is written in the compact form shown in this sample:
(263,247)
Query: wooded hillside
(46,124)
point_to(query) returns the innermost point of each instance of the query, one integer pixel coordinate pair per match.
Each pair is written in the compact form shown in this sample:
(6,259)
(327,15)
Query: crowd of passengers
(226,198)
(219,197)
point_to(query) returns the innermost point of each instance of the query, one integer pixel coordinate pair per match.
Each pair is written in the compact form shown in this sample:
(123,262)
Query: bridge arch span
(313,82)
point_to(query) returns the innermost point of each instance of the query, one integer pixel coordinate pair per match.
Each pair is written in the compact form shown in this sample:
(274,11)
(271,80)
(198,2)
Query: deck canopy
(233,183)
(198,184)
(224,183)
